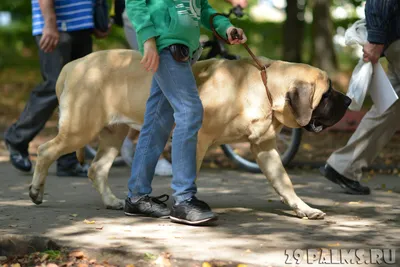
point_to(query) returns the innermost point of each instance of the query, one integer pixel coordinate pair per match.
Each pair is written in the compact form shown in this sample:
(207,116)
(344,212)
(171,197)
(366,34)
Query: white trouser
(374,131)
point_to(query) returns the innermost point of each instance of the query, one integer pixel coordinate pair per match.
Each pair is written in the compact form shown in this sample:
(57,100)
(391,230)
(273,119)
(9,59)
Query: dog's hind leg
(270,163)
(110,141)
(49,152)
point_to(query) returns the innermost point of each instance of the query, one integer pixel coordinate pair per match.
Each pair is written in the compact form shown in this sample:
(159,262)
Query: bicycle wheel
(288,143)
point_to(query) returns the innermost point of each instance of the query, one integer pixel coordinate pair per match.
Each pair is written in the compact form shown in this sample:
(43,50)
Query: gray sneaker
(148,206)
(193,212)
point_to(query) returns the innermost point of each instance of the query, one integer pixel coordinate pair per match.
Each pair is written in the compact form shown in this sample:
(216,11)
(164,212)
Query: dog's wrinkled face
(312,116)
(330,110)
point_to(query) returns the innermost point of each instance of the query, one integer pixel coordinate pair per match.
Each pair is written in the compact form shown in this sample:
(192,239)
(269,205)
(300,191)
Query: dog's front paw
(310,213)
(36,195)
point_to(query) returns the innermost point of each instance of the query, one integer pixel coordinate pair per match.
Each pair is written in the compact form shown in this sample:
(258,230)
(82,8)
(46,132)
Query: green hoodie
(173,21)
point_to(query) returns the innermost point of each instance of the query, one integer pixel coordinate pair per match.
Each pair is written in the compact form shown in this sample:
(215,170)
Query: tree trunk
(293,30)
(323,52)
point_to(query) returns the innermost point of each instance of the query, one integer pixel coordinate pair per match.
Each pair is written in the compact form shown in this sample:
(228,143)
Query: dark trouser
(43,99)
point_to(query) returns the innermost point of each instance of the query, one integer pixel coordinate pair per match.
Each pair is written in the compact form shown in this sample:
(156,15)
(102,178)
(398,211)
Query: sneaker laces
(197,204)
(160,199)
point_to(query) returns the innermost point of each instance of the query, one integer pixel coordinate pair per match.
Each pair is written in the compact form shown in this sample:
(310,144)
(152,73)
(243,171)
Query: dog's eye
(327,93)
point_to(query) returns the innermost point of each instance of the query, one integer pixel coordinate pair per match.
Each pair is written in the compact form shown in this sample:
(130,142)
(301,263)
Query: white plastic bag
(359,84)
(366,75)
(357,33)
(362,74)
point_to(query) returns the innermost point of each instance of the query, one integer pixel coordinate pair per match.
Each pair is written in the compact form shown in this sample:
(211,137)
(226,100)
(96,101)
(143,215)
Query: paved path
(254,228)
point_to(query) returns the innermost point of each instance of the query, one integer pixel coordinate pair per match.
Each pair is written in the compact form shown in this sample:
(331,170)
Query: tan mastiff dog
(104,92)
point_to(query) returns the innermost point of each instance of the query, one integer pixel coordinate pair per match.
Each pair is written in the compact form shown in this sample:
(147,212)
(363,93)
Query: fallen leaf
(51,265)
(242,265)
(99,228)
(354,203)
(149,256)
(163,260)
(390,191)
(213,165)
(130,265)
(83,265)
(77,254)
(74,215)
(44,257)
(89,222)
(206,264)
(270,200)
(15,265)
(92,261)
(67,264)
(248,251)
(260,219)
(307,147)
(334,245)
(383,186)
(395,171)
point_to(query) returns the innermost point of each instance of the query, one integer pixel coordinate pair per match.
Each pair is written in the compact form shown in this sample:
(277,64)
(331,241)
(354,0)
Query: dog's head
(316,106)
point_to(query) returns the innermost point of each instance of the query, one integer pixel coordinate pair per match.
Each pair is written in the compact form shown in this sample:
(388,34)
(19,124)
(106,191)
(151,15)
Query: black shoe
(148,206)
(76,170)
(19,159)
(351,186)
(193,212)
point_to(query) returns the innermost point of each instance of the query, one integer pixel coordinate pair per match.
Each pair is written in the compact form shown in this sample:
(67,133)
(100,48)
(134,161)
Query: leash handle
(235,35)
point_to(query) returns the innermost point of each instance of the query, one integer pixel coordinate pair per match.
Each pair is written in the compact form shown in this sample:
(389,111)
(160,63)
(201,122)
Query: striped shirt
(383,21)
(72,15)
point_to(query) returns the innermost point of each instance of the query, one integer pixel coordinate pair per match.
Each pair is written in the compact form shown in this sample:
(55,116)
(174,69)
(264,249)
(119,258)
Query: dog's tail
(80,154)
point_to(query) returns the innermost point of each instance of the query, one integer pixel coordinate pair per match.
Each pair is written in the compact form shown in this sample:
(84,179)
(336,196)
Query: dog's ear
(300,98)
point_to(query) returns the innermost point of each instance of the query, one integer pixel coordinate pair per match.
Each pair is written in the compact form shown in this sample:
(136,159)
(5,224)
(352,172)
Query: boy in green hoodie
(168,33)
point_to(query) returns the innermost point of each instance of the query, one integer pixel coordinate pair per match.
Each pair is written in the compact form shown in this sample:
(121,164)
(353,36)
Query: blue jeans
(173,98)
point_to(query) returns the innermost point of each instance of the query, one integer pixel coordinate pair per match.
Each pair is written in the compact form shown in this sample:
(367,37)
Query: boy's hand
(241,3)
(151,58)
(236,35)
